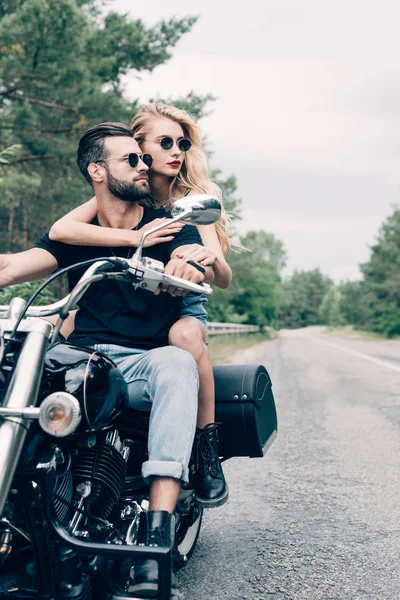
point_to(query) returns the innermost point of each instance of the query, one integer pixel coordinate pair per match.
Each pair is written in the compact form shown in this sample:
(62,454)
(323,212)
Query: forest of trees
(62,69)
(371,304)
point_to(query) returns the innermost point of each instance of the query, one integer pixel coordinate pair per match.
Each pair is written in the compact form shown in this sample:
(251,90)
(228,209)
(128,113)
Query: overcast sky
(307,115)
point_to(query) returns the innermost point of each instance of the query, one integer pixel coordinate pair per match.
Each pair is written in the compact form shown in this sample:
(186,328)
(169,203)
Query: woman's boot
(210,486)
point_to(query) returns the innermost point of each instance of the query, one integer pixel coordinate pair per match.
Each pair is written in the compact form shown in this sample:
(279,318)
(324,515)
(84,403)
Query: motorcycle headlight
(60,414)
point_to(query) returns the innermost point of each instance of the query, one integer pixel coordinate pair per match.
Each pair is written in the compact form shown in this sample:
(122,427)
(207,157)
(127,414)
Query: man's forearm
(25,266)
(5,271)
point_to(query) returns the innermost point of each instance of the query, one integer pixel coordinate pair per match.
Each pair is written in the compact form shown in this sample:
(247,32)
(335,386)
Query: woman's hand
(204,256)
(166,234)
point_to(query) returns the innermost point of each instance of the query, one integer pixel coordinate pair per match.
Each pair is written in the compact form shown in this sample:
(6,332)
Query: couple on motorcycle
(157,341)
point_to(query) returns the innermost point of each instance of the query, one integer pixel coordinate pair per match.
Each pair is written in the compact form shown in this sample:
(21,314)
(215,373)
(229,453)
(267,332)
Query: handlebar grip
(199,288)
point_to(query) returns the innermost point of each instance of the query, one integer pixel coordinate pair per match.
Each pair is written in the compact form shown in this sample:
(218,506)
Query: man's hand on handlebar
(180,268)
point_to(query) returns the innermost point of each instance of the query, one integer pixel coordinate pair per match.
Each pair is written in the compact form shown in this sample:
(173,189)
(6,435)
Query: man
(130,326)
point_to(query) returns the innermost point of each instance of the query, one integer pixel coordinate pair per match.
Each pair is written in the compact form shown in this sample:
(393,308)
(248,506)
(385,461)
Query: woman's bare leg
(209,484)
(189,334)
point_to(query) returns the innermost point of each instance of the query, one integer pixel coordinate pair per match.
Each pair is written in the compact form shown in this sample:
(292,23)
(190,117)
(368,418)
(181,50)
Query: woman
(179,168)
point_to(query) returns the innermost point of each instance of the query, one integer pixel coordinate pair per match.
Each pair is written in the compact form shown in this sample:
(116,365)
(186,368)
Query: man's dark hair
(91,145)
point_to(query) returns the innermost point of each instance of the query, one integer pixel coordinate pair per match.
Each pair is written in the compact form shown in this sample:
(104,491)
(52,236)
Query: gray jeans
(165,382)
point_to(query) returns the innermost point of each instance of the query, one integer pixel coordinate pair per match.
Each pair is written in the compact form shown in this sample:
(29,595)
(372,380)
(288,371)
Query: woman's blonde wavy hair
(194,172)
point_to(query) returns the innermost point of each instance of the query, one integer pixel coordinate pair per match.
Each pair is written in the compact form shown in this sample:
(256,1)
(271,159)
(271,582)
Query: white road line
(382,363)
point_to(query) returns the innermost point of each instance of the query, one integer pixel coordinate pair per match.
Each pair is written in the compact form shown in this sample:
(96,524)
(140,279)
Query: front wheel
(189,518)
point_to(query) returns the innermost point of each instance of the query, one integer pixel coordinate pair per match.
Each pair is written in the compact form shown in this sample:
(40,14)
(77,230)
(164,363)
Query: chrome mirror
(199,209)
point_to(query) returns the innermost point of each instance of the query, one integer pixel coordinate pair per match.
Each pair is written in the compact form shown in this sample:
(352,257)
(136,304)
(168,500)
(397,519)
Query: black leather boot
(156,528)
(210,485)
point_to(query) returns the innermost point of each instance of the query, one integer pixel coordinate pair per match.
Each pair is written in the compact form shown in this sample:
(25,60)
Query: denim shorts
(193,305)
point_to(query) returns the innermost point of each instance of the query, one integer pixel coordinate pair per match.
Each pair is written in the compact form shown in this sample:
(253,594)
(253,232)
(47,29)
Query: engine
(99,474)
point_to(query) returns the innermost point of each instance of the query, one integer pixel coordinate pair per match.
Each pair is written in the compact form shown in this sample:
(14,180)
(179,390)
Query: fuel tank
(91,377)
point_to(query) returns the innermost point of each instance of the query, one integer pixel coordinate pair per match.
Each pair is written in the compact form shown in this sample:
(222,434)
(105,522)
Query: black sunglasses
(183,144)
(133,159)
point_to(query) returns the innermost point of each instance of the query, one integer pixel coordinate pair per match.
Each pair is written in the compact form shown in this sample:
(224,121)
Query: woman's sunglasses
(133,159)
(183,144)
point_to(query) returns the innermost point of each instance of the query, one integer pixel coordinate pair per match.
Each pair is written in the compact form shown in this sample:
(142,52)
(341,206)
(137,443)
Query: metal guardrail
(224,328)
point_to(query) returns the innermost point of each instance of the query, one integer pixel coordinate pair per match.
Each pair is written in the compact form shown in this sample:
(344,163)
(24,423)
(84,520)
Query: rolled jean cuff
(161,468)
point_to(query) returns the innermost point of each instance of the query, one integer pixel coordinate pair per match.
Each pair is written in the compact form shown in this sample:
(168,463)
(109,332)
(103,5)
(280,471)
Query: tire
(187,533)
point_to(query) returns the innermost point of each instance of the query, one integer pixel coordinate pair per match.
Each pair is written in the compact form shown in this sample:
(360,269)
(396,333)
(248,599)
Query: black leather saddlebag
(245,407)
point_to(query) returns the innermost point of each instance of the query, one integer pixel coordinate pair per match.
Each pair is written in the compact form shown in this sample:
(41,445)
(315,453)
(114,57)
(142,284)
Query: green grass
(357,334)
(221,346)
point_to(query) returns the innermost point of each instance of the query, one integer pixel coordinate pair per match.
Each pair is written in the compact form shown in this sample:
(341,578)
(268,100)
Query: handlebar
(144,273)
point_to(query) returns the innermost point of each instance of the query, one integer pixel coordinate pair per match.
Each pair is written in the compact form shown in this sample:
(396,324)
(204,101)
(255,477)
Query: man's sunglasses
(133,159)
(183,144)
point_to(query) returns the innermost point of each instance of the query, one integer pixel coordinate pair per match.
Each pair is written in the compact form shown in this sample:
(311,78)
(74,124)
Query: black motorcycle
(71,493)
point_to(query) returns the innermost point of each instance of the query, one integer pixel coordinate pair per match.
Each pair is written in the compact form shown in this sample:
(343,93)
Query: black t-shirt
(113,312)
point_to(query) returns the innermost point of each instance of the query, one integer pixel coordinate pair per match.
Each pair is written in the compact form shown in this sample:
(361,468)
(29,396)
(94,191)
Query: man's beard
(128,191)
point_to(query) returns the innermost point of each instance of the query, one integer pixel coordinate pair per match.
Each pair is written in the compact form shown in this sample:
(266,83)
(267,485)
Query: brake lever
(187,286)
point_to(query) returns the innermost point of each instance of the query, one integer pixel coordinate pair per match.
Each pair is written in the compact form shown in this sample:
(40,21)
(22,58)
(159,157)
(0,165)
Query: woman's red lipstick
(175,163)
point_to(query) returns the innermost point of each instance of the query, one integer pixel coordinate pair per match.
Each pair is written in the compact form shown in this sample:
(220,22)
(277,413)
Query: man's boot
(156,528)
(210,485)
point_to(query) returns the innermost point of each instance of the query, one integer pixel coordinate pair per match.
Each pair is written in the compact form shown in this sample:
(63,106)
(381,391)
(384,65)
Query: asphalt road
(318,518)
